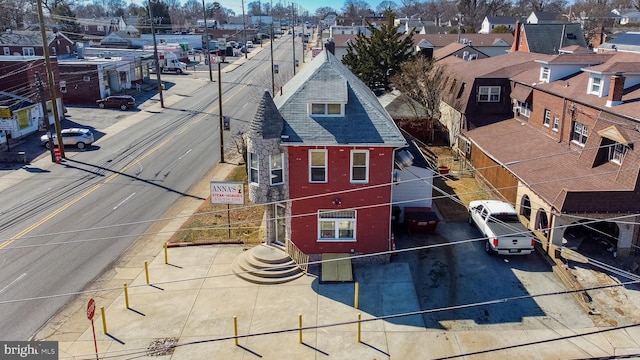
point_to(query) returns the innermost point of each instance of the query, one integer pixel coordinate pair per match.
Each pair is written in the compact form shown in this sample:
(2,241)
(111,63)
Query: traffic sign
(91,309)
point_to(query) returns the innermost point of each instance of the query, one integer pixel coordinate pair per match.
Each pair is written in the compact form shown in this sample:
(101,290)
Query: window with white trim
(616,153)
(547,118)
(580,132)
(544,73)
(359,166)
(28,51)
(556,123)
(595,85)
(276,169)
(333,109)
(336,225)
(489,94)
(318,166)
(524,109)
(254,168)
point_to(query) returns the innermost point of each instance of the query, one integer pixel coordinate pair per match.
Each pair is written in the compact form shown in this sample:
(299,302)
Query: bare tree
(422,81)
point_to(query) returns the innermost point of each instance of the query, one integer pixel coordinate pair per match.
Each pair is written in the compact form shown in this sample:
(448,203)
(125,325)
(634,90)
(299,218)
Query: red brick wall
(80,91)
(373,224)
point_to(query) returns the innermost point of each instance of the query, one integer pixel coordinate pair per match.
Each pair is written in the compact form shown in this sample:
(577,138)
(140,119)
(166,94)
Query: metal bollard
(355,300)
(104,320)
(126,295)
(146,271)
(359,325)
(300,322)
(166,253)
(235,328)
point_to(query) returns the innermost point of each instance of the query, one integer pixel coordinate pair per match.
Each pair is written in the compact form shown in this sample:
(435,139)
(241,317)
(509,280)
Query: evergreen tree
(377,57)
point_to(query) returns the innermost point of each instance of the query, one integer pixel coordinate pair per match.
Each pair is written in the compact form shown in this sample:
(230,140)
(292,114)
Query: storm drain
(162,346)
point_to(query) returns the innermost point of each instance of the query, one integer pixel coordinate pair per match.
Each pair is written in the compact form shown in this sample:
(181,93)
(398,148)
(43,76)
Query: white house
(491,22)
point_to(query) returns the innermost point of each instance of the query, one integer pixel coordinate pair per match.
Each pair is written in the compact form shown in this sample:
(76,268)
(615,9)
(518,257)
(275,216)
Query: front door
(280,224)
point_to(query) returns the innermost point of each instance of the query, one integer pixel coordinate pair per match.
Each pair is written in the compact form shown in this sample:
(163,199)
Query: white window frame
(333,225)
(489,93)
(327,111)
(254,168)
(544,73)
(616,153)
(579,133)
(274,170)
(7,50)
(312,167)
(556,124)
(354,166)
(523,109)
(595,85)
(547,118)
(28,51)
(100,28)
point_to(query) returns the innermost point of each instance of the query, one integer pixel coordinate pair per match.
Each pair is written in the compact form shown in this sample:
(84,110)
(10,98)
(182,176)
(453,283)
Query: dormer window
(544,74)
(327,109)
(595,85)
(616,153)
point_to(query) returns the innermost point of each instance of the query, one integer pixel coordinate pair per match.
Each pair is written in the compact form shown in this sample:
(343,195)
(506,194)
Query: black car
(123,102)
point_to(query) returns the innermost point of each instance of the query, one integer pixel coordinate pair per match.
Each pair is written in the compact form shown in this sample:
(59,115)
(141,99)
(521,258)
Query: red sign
(91,309)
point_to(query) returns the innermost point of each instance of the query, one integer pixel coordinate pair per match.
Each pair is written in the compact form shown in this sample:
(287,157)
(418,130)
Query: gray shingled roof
(267,123)
(26,38)
(549,38)
(365,122)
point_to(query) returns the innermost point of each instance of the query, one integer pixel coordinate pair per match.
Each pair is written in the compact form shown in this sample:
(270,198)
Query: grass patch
(214,223)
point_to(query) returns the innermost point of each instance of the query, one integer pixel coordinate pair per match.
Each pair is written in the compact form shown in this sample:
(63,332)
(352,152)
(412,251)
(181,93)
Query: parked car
(74,136)
(249,44)
(123,102)
(499,223)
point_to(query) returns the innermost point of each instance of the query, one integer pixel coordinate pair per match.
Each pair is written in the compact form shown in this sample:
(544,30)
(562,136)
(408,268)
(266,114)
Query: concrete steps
(265,264)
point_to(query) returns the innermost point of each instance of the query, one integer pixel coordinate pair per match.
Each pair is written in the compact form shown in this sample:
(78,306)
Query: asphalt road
(61,226)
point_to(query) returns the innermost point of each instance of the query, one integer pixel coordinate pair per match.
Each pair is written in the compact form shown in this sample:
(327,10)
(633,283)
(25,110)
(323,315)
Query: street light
(244,32)
(273,83)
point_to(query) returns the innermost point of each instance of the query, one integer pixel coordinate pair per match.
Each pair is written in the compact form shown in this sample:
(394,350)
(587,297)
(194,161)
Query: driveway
(451,271)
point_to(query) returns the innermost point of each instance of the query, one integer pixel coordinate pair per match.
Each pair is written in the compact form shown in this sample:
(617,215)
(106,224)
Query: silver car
(74,136)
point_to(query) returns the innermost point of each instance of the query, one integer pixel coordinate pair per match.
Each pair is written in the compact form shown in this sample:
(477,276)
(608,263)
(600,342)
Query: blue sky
(309,5)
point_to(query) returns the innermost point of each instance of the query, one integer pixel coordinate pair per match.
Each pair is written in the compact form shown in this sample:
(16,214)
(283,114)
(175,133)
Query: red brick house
(321,156)
(566,156)
(29,43)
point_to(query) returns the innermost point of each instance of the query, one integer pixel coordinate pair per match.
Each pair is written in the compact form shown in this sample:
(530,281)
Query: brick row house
(321,158)
(554,135)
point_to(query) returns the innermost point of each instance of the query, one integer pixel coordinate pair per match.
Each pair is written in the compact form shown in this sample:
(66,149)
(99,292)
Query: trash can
(275,68)
(226,123)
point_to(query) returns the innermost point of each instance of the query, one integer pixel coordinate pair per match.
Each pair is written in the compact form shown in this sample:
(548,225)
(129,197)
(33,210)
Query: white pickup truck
(499,223)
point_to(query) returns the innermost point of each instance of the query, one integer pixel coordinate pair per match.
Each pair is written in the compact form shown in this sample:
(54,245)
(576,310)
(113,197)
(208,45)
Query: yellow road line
(95,187)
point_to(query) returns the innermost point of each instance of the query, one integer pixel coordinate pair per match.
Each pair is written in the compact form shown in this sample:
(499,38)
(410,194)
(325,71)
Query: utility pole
(273,83)
(155,56)
(220,109)
(293,38)
(52,89)
(244,31)
(206,35)
(47,125)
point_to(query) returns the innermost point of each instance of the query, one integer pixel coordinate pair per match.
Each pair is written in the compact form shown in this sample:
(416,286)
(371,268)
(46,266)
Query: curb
(198,243)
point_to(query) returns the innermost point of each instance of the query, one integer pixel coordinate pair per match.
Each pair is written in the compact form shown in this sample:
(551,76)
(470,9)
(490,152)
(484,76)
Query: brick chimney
(516,38)
(616,88)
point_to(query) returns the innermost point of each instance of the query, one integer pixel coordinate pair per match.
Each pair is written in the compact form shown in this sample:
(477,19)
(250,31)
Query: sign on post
(225,192)
(91,311)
